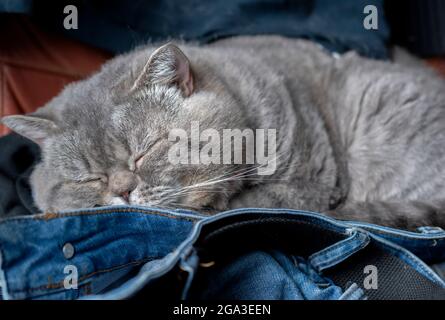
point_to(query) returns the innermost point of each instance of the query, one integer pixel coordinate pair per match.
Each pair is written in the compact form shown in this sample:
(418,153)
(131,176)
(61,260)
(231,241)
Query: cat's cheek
(203,200)
(137,198)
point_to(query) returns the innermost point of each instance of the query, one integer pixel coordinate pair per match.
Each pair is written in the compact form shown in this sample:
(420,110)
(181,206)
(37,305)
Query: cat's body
(356,138)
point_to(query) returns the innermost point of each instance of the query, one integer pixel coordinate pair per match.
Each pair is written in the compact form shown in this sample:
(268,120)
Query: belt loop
(339,251)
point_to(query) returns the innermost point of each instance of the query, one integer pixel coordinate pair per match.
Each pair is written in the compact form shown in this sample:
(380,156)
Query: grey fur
(357,139)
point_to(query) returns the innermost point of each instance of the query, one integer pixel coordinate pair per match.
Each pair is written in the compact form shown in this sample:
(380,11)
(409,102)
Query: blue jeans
(122,252)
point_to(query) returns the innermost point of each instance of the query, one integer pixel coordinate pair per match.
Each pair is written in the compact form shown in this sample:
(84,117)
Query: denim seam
(325,220)
(59,284)
(51,216)
(336,225)
(189,263)
(422,237)
(3,284)
(396,232)
(332,247)
(338,258)
(45,293)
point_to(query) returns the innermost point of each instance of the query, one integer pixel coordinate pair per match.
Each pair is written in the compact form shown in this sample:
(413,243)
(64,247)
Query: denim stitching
(50,216)
(59,284)
(359,242)
(3,287)
(406,237)
(333,247)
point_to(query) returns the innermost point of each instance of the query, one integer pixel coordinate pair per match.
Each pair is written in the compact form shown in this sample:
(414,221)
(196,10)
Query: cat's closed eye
(139,160)
(135,162)
(91,179)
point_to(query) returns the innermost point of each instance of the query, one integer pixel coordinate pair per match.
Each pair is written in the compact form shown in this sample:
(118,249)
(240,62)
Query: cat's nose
(126,195)
(122,183)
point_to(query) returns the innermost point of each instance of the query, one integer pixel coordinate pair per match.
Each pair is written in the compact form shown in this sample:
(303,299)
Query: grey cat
(357,139)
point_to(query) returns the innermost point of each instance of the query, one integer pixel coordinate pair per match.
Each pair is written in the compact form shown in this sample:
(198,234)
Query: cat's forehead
(76,153)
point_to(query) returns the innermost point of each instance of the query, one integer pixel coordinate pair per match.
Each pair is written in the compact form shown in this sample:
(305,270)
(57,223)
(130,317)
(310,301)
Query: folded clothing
(121,252)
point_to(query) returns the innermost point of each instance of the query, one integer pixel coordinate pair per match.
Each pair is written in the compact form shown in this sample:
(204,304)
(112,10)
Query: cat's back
(286,55)
(391,118)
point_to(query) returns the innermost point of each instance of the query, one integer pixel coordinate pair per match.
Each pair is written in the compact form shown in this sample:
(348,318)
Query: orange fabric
(35,65)
(438,64)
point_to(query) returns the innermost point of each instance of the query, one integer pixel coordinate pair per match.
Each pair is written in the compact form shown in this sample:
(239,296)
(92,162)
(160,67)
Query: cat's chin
(118,202)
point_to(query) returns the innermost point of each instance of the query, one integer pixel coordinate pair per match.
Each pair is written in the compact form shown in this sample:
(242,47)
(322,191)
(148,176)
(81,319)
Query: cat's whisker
(244,174)
(183,206)
(210,185)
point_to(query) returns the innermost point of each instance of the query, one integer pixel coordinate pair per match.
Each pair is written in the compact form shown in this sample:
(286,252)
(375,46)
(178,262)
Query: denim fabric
(292,279)
(107,242)
(121,251)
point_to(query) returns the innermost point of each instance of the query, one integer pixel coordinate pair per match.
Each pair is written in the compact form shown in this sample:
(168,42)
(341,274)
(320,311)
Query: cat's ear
(168,65)
(32,127)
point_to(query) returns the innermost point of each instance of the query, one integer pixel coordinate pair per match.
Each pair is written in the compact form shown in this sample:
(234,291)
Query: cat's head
(107,142)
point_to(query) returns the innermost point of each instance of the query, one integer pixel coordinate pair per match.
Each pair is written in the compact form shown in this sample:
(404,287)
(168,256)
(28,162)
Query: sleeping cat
(357,139)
